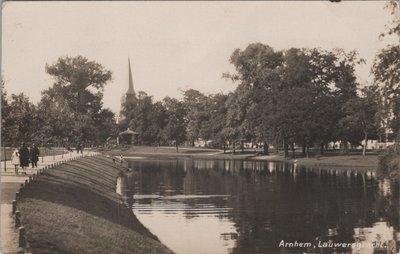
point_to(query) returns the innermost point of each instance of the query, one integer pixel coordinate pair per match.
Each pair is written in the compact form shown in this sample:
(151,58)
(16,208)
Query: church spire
(130,90)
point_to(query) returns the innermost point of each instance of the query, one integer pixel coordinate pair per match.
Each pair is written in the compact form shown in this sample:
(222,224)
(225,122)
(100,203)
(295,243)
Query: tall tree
(387,77)
(214,128)
(77,93)
(106,126)
(23,120)
(147,118)
(284,88)
(386,71)
(57,120)
(128,111)
(334,83)
(176,124)
(394,25)
(259,70)
(195,104)
(360,117)
(159,119)
(236,126)
(80,82)
(6,119)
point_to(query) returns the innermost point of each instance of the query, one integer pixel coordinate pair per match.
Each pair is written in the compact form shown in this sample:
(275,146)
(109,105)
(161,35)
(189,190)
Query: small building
(127,137)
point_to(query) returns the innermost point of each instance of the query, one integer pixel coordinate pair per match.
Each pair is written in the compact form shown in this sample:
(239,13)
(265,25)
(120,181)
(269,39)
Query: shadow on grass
(196,151)
(88,185)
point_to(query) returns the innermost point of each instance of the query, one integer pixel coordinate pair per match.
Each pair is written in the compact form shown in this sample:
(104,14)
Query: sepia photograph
(200,127)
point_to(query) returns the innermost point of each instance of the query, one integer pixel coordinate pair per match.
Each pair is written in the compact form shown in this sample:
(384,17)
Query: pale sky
(174,45)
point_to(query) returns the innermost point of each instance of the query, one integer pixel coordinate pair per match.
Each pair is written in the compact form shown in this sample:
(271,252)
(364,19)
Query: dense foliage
(70,111)
(386,70)
(306,97)
(303,97)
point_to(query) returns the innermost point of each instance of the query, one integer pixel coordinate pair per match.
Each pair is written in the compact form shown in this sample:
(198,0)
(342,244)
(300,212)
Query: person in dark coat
(81,147)
(24,157)
(78,147)
(34,153)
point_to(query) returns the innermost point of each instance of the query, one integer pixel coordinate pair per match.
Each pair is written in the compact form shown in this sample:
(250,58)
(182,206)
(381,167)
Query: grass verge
(355,162)
(170,152)
(74,209)
(330,160)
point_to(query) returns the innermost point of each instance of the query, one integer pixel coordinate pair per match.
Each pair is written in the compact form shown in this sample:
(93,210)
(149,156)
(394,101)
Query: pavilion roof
(128,132)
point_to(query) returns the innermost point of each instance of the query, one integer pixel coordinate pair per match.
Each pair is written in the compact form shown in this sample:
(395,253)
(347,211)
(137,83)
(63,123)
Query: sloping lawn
(74,209)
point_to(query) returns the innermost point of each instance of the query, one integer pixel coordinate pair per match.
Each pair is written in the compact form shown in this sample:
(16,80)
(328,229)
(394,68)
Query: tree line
(285,98)
(303,97)
(70,111)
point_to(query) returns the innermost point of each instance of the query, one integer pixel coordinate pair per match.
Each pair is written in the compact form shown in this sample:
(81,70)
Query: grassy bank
(170,152)
(74,209)
(369,162)
(331,160)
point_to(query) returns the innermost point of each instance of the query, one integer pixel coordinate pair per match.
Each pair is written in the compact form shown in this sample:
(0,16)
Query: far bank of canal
(199,205)
(330,160)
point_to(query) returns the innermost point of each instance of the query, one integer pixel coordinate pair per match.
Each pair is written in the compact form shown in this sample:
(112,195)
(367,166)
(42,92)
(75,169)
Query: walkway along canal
(73,208)
(11,186)
(239,206)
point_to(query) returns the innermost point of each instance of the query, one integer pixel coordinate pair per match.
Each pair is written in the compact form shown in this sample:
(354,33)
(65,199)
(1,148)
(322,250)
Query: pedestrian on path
(15,160)
(121,159)
(24,157)
(79,148)
(34,153)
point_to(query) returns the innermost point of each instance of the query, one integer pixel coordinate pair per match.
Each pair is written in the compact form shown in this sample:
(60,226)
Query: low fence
(44,151)
(23,241)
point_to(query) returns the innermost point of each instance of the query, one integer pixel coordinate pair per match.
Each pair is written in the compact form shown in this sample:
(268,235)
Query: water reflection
(124,187)
(236,206)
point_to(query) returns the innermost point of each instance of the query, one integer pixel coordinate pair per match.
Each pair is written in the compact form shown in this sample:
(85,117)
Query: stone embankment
(73,208)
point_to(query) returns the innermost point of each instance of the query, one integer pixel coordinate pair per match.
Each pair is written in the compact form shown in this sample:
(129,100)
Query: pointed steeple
(128,100)
(130,90)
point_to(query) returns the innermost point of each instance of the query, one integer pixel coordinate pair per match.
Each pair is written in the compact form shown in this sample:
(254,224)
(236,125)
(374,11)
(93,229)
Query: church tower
(129,99)
(130,94)
(128,103)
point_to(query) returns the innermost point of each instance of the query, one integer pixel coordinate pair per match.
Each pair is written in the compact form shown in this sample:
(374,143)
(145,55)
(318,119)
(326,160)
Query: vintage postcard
(200,127)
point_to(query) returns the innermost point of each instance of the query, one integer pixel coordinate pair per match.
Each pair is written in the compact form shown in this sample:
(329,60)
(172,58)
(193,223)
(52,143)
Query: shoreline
(325,162)
(70,205)
(74,208)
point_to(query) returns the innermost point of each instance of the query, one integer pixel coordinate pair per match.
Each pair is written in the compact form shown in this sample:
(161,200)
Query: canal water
(239,206)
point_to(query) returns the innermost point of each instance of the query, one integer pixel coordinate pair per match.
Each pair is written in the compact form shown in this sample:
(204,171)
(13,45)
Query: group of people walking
(79,148)
(23,156)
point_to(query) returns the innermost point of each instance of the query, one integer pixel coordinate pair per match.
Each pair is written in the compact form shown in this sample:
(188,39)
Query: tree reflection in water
(259,204)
